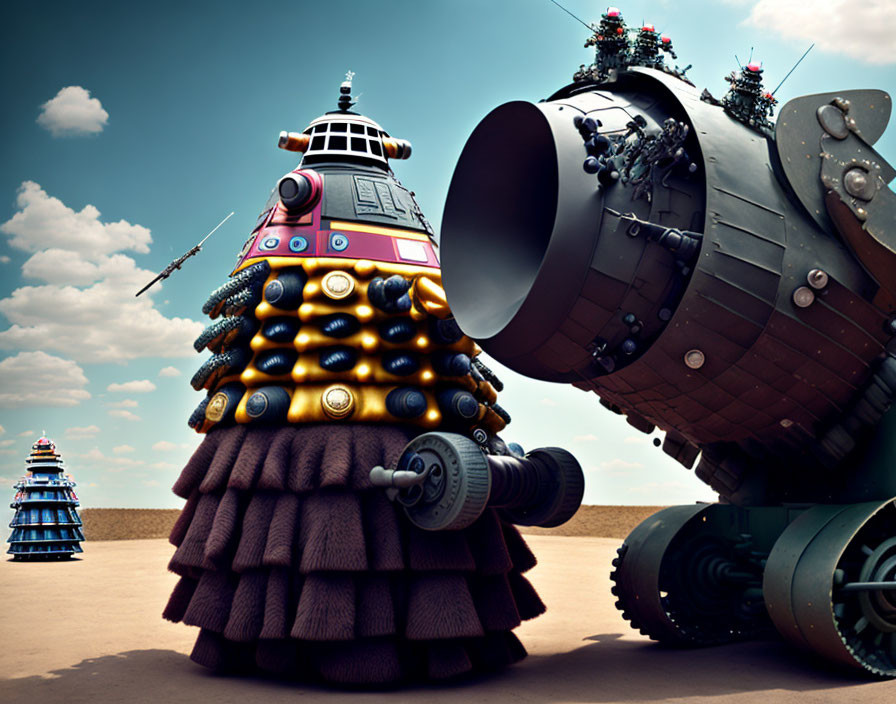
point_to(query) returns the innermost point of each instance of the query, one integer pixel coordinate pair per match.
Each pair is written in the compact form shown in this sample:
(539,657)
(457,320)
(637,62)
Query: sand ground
(90,631)
(137,523)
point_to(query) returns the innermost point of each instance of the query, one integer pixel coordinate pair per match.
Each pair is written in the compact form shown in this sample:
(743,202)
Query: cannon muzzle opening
(559,273)
(445,481)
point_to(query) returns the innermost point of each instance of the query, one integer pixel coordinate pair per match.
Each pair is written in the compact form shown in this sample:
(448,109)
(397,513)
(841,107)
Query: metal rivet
(338,401)
(803,297)
(694,359)
(786,422)
(338,285)
(856,183)
(817,278)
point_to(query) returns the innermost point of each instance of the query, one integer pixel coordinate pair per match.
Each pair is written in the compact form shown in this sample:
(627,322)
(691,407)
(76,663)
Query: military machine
(732,282)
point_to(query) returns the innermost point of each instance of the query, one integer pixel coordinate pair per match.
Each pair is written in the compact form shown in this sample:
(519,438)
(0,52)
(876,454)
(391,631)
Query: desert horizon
(595,521)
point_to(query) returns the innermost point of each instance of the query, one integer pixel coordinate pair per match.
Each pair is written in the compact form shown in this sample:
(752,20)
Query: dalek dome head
(43,443)
(345,136)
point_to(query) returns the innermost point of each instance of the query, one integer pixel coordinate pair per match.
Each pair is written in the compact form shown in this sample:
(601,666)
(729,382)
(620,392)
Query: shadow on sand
(607,669)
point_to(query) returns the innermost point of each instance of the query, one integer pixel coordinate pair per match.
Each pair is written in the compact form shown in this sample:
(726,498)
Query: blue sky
(169,121)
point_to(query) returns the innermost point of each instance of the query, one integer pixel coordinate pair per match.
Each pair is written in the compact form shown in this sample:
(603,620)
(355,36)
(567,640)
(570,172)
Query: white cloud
(86,305)
(549,402)
(73,113)
(166,446)
(26,433)
(169,371)
(150,482)
(94,455)
(589,437)
(126,403)
(127,415)
(124,462)
(862,31)
(138,386)
(7,443)
(80,433)
(44,222)
(40,379)
(122,450)
(2,430)
(167,466)
(4,259)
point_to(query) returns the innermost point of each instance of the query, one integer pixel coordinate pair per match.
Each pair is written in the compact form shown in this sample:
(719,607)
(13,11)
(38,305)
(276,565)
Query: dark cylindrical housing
(542,275)
(445,481)
(671,291)
(544,488)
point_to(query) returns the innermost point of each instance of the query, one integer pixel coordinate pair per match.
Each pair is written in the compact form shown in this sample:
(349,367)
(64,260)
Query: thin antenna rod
(793,69)
(739,64)
(590,28)
(213,231)
(751,56)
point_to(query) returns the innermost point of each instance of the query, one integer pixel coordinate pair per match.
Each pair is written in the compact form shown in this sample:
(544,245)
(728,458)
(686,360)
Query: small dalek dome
(43,443)
(343,135)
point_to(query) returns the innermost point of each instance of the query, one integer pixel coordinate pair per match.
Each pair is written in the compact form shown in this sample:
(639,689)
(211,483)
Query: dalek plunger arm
(445,481)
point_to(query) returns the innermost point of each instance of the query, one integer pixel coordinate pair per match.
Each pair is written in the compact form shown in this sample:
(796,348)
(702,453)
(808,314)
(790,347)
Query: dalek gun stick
(445,481)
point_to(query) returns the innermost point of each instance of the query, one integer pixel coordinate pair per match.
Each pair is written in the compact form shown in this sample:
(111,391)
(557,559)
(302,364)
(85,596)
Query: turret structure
(746,100)
(732,283)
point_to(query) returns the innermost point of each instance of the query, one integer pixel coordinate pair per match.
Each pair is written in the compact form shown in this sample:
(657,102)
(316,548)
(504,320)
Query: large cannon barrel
(539,257)
(445,481)
(700,274)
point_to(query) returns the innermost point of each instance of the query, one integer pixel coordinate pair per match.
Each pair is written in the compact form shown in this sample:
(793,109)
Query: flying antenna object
(176,264)
(793,69)
(577,19)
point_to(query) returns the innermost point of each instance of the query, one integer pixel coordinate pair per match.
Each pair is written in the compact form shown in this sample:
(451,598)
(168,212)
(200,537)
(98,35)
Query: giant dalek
(733,283)
(348,515)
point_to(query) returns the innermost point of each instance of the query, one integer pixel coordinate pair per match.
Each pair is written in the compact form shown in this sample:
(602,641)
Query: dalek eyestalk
(445,481)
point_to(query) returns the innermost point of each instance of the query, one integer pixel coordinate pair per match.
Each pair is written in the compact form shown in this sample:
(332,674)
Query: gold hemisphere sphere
(338,285)
(338,401)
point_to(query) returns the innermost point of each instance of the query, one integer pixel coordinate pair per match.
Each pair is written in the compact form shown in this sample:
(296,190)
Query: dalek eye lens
(270,243)
(338,242)
(296,192)
(298,244)
(288,189)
